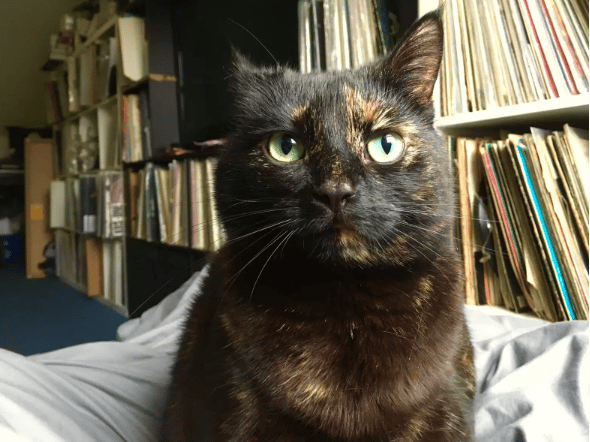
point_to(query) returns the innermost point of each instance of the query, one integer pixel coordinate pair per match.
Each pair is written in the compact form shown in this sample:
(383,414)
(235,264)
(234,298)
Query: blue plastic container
(13,247)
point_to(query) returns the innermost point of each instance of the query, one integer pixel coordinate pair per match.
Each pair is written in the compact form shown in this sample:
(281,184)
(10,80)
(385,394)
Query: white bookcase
(559,110)
(549,114)
(555,111)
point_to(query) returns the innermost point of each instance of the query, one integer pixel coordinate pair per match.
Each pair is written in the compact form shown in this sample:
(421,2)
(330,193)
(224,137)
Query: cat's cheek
(425,193)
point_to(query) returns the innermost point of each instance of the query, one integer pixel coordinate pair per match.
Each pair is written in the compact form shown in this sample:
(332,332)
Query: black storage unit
(191,41)
(155,270)
(204,32)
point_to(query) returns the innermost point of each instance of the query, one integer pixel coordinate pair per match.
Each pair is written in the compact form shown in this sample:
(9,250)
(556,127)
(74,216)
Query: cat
(334,312)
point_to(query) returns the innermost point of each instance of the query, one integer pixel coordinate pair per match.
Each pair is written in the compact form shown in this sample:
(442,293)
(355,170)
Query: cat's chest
(317,334)
(340,349)
(335,349)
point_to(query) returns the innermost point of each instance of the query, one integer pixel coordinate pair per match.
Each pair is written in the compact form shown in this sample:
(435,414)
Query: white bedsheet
(532,380)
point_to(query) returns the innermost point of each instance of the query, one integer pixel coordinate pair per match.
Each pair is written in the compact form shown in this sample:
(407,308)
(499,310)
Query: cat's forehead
(358,104)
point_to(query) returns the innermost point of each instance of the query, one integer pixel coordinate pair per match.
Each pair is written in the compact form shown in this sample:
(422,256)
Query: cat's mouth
(340,226)
(341,234)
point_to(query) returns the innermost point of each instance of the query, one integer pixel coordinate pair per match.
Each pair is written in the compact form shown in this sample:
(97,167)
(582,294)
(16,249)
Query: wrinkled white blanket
(532,380)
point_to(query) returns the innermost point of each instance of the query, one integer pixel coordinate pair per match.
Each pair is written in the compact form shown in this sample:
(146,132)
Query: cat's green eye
(284,148)
(386,148)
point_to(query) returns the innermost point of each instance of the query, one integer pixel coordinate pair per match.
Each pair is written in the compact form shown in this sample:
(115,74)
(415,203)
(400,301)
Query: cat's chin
(341,245)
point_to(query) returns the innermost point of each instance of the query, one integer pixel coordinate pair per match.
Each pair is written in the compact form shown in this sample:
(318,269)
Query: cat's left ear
(414,63)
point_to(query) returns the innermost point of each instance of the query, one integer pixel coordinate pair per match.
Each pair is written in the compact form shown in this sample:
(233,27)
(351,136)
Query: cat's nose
(335,194)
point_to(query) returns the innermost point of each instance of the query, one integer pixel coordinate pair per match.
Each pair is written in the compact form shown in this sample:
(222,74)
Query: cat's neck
(293,279)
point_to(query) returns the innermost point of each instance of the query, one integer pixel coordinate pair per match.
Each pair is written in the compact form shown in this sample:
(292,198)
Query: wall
(25,27)
(3,143)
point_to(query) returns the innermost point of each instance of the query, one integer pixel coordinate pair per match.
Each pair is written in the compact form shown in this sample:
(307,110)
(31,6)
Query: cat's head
(346,165)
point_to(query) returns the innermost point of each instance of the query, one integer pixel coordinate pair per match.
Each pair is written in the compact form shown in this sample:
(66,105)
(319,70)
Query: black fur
(331,318)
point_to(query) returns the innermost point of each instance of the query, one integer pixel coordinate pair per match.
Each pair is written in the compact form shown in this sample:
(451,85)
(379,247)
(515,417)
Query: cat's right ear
(242,71)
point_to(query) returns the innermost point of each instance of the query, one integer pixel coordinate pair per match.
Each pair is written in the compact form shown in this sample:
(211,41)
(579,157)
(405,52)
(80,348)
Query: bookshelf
(155,130)
(570,108)
(87,201)
(188,86)
(519,184)
(89,108)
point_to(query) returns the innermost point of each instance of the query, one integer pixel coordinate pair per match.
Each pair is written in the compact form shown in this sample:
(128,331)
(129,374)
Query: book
(526,51)
(141,232)
(506,223)
(87,78)
(94,270)
(199,207)
(319,42)
(133,47)
(127,132)
(216,235)
(144,112)
(151,205)
(522,153)
(88,205)
(562,227)
(108,144)
(113,271)
(523,247)
(577,143)
(179,202)
(57,199)
(134,186)
(342,34)
(521,243)
(465,217)
(304,36)
(111,204)
(467,58)
(135,128)
(162,179)
(39,172)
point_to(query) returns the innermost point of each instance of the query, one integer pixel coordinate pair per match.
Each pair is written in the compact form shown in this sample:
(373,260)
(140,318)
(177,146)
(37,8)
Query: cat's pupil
(286,144)
(385,145)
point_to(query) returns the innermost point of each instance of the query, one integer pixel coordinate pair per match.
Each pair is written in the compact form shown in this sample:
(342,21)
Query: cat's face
(343,165)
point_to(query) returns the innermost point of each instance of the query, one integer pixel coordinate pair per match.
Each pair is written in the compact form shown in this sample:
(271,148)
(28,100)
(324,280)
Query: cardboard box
(39,172)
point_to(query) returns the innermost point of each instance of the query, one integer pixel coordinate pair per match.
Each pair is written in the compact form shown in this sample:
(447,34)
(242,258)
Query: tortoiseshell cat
(335,311)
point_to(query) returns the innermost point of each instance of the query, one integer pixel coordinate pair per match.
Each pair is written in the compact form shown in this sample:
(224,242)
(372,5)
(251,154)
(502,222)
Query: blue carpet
(40,315)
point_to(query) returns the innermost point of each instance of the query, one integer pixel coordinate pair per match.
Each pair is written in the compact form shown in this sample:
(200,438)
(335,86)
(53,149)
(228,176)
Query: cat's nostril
(335,194)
